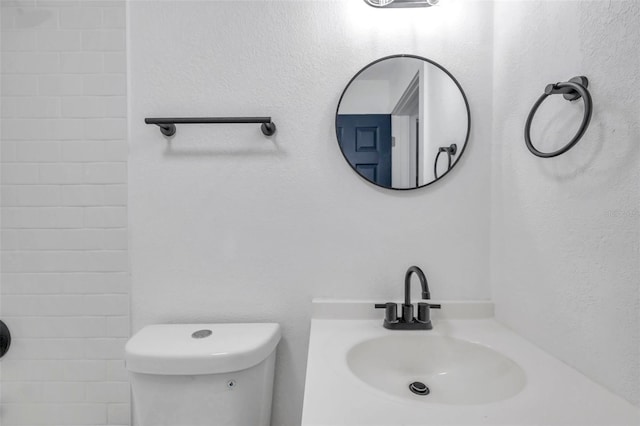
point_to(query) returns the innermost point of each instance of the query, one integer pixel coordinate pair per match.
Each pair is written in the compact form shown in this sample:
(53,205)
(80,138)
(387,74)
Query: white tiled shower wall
(65,282)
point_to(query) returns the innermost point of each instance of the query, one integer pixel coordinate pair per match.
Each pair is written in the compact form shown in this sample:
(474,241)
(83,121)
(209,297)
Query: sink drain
(419,388)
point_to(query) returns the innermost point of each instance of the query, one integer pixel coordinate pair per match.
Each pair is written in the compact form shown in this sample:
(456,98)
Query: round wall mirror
(403,122)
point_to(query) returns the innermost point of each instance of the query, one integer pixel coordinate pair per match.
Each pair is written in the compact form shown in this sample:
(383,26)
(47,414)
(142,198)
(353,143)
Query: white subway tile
(107,128)
(18,369)
(61,173)
(107,349)
(100,283)
(105,217)
(115,106)
(57,327)
(7,151)
(64,261)
(85,370)
(37,151)
(30,196)
(30,107)
(108,392)
(105,84)
(80,17)
(42,129)
(95,107)
(114,239)
(114,17)
(81,63)
(62,3)
(104,3)
(37,262)
(84,106)
(105,173)
(8,195)
(115,63)
(30,63)
(107,305)
(63,392)
(118,326)
(7,18)
(115,195)
(38,195)
(19,85)
(16,40)
(31,283)
(105,261)
(82,150)
(53,239)
(70,283)
(60,85)
(59,41)
(103,40)
(47,349)
(24,392)
(19,173)
(119,414)
(94,151)
(117,371)
(42,18)
(41,305)
(21,5)
(54,414)
(82,195)
(42,217)
(116,150)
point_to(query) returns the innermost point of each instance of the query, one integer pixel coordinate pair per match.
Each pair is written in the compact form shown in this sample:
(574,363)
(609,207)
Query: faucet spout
(406,320)
(423,283)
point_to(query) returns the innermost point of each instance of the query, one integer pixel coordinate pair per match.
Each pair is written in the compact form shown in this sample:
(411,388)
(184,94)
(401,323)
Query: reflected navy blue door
(366,142)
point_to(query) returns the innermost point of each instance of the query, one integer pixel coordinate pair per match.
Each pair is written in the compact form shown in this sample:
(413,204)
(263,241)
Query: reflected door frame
(405,119)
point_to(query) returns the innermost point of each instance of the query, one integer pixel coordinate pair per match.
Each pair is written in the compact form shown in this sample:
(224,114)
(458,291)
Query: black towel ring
(451,150)
(572,90)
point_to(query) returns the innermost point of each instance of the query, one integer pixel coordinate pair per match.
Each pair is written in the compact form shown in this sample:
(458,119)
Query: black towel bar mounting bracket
(168,125)
(571,90)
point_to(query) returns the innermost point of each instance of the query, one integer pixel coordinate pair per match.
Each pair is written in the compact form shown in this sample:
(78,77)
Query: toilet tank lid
(190,349)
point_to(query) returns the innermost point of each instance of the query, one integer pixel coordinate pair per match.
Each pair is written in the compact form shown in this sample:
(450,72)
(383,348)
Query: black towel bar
(168,125)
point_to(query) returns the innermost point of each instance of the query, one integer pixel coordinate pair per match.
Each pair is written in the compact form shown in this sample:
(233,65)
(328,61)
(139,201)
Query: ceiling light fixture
(401,3)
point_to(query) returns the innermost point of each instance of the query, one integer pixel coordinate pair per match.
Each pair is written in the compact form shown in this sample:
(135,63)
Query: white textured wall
(227,225)
(565,254)
(64,283)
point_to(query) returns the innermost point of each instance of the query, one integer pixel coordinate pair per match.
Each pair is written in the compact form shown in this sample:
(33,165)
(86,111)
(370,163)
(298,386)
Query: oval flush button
(201,334)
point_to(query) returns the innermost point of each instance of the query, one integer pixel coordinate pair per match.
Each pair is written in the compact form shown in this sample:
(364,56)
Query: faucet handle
(390,311)
(423,311)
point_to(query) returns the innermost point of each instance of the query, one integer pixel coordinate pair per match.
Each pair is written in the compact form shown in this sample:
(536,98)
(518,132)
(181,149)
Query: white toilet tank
(203,374)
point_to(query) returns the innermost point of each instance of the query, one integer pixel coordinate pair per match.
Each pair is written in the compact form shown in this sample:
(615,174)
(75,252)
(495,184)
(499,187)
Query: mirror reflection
(402,122)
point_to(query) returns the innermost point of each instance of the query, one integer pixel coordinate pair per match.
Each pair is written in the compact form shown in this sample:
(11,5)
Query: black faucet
(407,321)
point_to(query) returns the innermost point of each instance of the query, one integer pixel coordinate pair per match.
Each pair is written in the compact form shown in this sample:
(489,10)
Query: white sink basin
(479,373)
(455,371)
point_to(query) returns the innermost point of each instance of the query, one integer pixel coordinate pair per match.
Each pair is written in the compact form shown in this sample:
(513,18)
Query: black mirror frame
(464,97)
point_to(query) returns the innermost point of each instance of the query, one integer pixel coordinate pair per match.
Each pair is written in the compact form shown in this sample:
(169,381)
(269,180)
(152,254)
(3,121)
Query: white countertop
(555,394)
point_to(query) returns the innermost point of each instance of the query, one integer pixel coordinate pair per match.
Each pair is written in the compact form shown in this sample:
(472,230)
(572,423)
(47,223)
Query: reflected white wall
(444,120)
